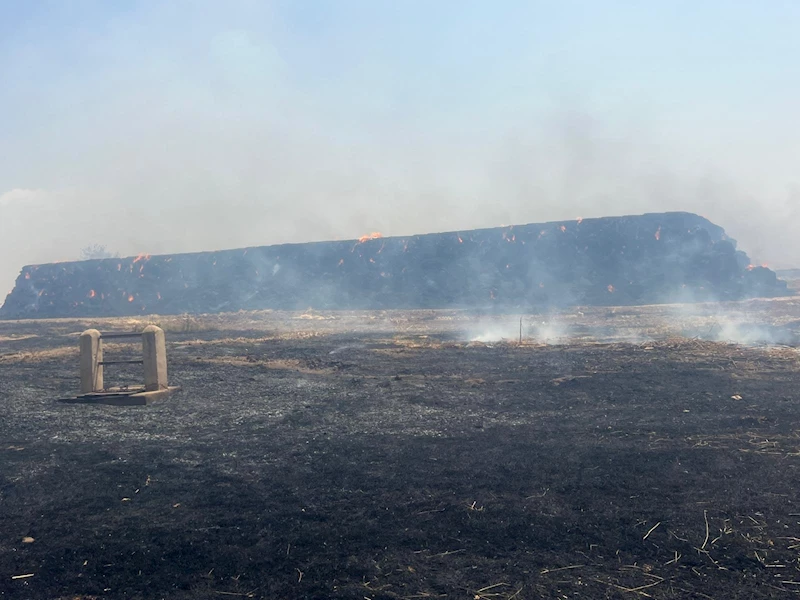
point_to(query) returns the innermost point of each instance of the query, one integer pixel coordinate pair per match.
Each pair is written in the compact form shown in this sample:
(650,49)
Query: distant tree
(96,251)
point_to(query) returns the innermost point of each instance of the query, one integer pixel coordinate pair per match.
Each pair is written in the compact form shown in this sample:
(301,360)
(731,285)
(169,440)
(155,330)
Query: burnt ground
(316,460)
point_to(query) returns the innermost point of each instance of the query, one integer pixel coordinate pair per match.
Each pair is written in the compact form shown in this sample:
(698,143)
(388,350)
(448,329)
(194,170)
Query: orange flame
(580,220)
(144,257)
(460,241)
(750,267)
(658,233)
(563,228)
(370,236)
(27,275)
(92,294)
(130,298)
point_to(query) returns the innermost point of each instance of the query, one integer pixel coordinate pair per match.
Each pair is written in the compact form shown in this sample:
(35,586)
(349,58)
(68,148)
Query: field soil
(613,453)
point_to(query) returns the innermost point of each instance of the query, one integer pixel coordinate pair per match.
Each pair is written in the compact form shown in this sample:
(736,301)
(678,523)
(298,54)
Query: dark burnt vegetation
(405,465)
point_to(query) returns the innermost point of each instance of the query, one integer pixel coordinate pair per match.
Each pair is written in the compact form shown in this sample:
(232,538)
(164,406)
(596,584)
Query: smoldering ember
(652,258)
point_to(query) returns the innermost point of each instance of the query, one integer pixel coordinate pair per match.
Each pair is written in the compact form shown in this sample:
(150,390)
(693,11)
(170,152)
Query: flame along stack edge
(645,259)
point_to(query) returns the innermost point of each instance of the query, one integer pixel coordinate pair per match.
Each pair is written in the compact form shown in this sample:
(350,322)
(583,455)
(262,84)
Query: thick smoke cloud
(190,127)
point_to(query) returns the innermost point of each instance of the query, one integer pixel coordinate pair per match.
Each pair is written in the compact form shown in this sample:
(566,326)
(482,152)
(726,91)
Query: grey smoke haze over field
(170,127)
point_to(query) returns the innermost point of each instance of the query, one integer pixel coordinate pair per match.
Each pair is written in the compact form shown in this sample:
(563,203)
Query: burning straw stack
(651,258)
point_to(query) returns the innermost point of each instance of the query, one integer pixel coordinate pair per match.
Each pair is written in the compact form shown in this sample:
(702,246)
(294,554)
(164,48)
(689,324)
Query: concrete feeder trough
(154,361)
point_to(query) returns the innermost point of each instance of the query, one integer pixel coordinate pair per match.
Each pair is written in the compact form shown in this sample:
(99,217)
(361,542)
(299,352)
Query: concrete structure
(91,362)
(154,361)
(154,350)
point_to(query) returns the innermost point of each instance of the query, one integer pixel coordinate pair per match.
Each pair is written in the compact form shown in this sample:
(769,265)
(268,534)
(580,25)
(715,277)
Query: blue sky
(162,127)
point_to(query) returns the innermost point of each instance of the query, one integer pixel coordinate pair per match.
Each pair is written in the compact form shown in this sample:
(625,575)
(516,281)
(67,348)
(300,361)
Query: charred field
(614,453)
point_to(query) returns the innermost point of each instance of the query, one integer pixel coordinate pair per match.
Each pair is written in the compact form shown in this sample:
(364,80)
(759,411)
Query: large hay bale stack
(651,258)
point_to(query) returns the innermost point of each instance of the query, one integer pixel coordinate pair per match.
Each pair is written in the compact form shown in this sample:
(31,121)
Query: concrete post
(91,357)
(154,351)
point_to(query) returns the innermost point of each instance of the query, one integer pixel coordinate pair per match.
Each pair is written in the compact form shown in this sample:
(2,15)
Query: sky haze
(183,126)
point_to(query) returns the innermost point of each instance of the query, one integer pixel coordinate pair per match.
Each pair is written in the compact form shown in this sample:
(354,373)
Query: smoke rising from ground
(744,323)
(539,329)
(199,127)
